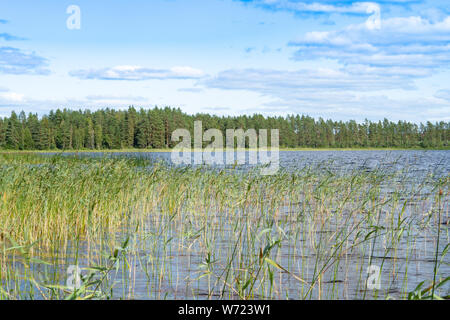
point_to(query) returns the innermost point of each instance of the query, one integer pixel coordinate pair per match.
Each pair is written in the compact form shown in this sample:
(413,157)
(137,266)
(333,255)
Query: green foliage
(112,129)
(420,293)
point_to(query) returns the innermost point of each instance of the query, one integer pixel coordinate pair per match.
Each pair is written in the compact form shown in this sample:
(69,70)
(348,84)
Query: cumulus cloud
(271,81)
(10,101)
(402,42)
(16,61)
(352,106)
(328,7)
(137,73)
(358,92)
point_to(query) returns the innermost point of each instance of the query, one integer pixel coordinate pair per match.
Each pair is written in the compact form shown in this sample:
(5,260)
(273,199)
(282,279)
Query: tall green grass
(218,234)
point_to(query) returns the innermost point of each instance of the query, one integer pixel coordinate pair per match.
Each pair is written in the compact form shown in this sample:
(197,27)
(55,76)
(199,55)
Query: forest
(152,128)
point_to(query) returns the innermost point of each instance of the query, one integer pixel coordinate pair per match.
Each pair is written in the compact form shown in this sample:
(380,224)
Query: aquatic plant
(216,233)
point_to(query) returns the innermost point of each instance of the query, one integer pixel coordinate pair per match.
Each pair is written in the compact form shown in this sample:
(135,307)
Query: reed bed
(140,229)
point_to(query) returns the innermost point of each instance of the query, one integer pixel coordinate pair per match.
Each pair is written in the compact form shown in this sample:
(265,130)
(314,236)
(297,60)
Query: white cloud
(16,101)
(357,7)
(443,94)
(411,42)
(12,96)
(335,105)
(271,81)
(137,73)
(326,7)
(114,98)
(353,93)
(15,61)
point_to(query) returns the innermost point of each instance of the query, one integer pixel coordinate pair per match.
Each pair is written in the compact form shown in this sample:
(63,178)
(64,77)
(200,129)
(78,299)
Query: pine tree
(12,132)
(90,134)
(114,129)
(98,136)
(156,130)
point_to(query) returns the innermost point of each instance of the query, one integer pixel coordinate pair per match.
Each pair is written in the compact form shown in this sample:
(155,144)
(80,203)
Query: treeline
(114,129)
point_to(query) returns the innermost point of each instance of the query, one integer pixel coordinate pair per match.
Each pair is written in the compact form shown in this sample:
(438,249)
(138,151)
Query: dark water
(404,263)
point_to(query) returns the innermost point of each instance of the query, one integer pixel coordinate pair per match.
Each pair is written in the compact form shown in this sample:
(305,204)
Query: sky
(337,60)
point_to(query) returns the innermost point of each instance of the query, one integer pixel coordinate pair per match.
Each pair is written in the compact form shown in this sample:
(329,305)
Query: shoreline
(170,150)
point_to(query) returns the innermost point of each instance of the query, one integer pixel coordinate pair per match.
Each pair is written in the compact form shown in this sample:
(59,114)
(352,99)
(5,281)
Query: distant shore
(169,150)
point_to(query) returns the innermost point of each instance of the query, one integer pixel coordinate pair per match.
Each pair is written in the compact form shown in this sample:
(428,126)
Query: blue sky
(332,59)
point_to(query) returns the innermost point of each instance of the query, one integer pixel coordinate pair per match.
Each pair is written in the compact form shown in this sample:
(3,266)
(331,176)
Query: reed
(199,232)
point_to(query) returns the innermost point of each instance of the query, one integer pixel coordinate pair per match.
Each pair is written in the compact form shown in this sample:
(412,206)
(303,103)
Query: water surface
(168,263)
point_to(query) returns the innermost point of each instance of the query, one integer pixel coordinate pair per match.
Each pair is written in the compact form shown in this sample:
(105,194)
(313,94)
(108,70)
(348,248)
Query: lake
(417,162)
(349,217)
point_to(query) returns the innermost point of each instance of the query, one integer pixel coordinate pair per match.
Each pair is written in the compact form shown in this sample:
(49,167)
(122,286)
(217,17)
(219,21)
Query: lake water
(160,268)
(416,162)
